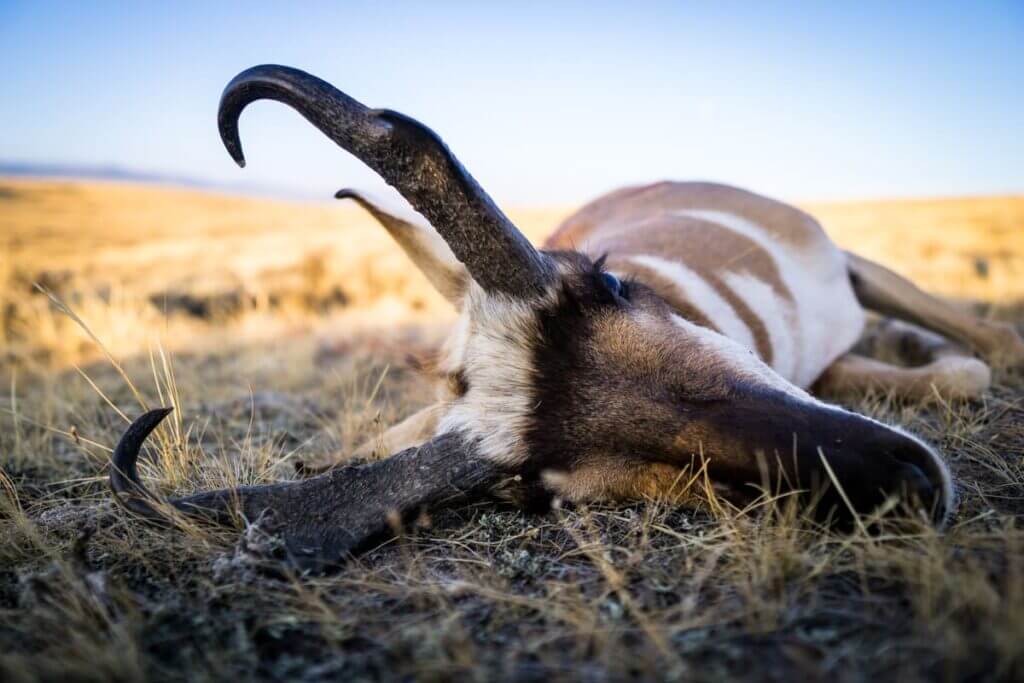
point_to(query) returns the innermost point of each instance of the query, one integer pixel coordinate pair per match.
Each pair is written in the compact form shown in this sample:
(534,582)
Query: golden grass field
(280,332)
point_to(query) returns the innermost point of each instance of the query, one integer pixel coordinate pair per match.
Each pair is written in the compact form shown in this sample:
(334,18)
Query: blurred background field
(142,263)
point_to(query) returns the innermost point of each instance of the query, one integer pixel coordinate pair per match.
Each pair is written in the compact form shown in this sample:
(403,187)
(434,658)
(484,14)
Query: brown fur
(628,205)
(625,395)
(665,288)
(900,343)
(625,399)
(639,222)
(615,479)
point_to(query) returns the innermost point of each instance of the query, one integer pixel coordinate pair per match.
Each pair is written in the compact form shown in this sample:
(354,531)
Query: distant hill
(100,172)
(114,173)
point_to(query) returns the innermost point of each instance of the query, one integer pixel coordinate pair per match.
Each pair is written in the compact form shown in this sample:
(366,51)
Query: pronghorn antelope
(662,327)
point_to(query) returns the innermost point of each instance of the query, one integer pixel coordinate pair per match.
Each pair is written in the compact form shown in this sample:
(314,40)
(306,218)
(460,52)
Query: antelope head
(582,383)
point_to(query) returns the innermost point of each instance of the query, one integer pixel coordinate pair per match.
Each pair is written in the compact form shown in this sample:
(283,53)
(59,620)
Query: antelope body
(662,328)
(755,270)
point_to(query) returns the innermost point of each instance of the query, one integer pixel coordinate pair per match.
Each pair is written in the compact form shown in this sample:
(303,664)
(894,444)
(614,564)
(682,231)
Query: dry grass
(287,369)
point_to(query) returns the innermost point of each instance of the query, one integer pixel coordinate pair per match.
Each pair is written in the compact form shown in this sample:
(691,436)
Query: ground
(281,331)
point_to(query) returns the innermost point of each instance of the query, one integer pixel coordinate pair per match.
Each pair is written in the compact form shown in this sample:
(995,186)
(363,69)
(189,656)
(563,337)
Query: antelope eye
(612,283)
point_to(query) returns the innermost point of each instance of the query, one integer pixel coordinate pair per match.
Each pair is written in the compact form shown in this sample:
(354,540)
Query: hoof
(1004,348)
(961,378)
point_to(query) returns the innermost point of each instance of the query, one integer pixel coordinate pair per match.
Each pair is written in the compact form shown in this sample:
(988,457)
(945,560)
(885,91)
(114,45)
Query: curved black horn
(323,519)
(411,158)
(124,475)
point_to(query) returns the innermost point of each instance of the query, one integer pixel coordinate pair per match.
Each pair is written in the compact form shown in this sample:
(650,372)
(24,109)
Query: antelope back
(758,271)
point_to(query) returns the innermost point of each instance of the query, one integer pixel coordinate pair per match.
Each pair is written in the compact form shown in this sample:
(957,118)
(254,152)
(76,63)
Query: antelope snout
(873,463)
(868,463)
(918,474)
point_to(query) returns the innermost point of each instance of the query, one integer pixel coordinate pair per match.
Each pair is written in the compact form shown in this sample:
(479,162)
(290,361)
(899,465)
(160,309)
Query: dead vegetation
(487,592)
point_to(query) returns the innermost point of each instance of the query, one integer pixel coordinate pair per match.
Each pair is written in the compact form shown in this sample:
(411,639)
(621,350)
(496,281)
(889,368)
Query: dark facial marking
(586,401)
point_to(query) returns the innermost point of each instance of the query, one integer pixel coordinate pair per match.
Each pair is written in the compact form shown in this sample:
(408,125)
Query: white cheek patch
(695,289)
(493,347)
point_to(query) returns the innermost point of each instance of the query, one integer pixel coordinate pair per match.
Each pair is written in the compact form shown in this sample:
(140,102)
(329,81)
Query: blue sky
(544,102)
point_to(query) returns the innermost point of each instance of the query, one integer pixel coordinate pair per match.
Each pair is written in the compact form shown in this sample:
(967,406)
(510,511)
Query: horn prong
(413,159)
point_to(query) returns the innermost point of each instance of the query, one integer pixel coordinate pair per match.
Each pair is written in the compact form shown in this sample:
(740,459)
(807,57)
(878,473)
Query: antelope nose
(921,477)
(873,463)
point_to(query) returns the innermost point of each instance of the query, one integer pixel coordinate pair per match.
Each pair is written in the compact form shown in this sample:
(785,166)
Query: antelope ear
(423,245)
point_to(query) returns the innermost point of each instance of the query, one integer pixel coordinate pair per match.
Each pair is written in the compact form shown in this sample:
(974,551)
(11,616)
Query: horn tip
(235,150)
(124,478)
(345,193)
(228,130)
(154,416)
(139,429)
(127,450)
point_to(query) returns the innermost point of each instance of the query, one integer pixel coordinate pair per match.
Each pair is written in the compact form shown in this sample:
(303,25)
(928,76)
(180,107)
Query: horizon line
(117,174)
